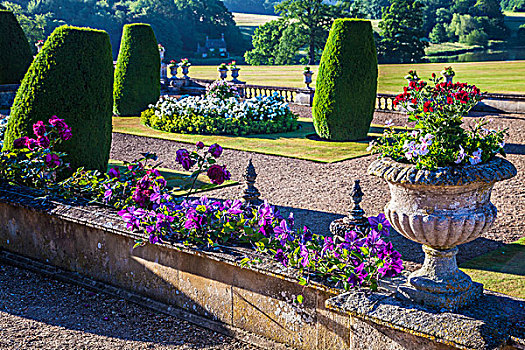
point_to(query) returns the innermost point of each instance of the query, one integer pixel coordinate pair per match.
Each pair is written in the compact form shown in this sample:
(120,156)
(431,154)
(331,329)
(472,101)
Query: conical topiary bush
(346,86)
(15,52)
(72,78)
(137,74)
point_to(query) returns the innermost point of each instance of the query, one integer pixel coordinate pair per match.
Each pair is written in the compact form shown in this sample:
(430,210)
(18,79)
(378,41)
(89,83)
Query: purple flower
(194,220)
(199,145)
(20,142)
(380,224)
(114,173)
(305,255)
(58,123)
(307,235)
(108,193)
(31,144)
(235,208)
(215,150)
(132,216)
(358,276)
(283,233)
(218,174)
(392,262)
(281,257)
(476,157)
(328,245)
(461,155)
(65,134)
(52,160)
(39,129)
(141,196)
(153,239)
(183,158)
(144,183)
(43,141)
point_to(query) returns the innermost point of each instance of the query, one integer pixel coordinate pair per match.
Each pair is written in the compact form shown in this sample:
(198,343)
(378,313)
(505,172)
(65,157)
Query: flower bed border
(92,241)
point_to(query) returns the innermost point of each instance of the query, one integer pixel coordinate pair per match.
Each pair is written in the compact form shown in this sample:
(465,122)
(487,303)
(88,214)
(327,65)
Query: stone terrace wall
(93,242)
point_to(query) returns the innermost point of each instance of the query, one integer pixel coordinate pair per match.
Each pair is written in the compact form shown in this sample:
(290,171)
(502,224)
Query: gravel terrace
(318,193)
(39,313)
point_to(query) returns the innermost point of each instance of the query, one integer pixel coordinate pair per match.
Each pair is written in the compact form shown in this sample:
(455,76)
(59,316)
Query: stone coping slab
(490,323)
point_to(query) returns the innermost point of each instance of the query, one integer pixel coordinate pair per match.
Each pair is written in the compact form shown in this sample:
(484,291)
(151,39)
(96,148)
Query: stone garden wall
(93,242)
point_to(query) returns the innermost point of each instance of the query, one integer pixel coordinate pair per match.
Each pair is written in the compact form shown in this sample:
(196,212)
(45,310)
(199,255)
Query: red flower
(427,107)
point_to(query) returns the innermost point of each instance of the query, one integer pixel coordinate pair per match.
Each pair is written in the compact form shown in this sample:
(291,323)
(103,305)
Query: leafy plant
(439,138)
(209,115)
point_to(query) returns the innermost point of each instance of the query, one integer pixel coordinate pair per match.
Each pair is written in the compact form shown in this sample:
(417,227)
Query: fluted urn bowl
(441,209)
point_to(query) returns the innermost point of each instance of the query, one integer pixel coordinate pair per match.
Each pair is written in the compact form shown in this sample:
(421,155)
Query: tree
(15,53)
(315,18)
(402,37)
(83,99)
(265,41)
(346,89)
(438,34)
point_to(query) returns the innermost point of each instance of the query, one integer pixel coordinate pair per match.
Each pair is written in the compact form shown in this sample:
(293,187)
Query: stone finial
(356,218)
(251,194)
(356,215)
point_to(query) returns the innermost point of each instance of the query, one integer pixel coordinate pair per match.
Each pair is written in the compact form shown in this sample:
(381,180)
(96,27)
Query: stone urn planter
(174,70)
(235,75)
(441,209)
(448,77)
(223,73)
(185,72)
(308,74)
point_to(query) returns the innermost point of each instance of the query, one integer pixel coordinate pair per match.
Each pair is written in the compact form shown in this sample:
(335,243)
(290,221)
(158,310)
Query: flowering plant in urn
(440,176)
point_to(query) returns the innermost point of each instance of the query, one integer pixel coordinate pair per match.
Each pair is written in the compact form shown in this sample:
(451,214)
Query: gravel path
(318,193)
(40,313)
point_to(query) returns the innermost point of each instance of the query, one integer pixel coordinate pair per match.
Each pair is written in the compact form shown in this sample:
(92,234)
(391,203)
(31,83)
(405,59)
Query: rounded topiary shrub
(72,78)
(137,74)
(346,86)
(15,52)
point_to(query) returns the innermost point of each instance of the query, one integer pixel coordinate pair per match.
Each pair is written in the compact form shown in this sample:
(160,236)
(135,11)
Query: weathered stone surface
(488,324)
(497,169)
(441,209)
(92,241)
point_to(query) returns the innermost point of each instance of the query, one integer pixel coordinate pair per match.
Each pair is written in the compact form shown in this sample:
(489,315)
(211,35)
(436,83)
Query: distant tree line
(178,24)
(405,30)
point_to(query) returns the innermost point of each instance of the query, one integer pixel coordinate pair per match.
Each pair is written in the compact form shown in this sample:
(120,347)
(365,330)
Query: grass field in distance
(506,76)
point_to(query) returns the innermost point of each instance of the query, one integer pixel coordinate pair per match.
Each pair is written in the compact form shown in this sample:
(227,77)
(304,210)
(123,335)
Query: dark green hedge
(137,74)
(346,85)
(72,77)
(15,52)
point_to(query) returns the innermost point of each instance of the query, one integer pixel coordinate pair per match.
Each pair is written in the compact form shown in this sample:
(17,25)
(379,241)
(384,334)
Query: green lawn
(178,180)
(251,20)
(292,144)
(504,76)
(502,270)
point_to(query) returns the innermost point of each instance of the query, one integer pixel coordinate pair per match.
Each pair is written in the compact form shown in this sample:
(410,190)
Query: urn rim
(497,169)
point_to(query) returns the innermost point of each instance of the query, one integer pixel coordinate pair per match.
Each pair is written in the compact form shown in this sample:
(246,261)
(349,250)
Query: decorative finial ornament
(356,215)
(356,219)
(251,194)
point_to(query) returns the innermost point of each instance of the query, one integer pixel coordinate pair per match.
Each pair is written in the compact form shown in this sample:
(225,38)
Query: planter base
(439,284)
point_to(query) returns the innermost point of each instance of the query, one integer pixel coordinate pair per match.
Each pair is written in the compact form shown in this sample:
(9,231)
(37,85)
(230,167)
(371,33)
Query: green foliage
(262,7)
(477,37)
(36,26)
(438,34)
(137,73)
(521,31)
(346,86)
(402,33)
(178,25)
(276,42)
(72,77)
(15,53)
(513,5)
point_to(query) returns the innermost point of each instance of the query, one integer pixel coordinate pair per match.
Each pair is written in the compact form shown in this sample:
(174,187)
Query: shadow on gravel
(515,148)
(412,252)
